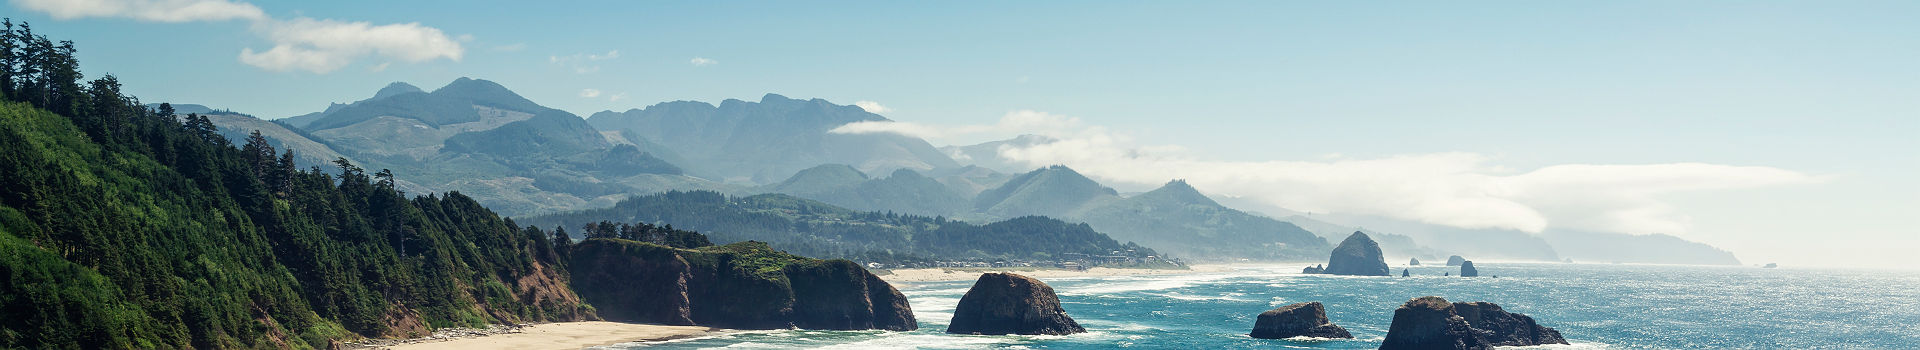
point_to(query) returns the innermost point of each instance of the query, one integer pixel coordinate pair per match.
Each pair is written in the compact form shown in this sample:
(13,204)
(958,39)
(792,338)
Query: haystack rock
(1005,303)
(1358,255)
(1433,323)
(1455,260)
(1302,319)
(1467,270)
(1413,262)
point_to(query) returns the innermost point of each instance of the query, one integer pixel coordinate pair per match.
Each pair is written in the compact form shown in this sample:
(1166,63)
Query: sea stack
(1455,260)
(1314,270)
(1430,323)
(1413,262)
(1403,273)
(1005,303)
(1358,255)
(1467,270)
(1303,319)
(1433,323)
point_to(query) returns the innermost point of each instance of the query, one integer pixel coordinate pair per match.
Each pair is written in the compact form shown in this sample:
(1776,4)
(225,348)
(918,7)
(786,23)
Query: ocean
(1595,306)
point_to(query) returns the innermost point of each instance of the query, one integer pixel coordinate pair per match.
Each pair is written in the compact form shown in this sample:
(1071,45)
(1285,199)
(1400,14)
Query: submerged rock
(1502,328)
(1302,319)
(1467,270)
(1005,303)
(1433,323)
(1455,260)
(1413,262)
(1358,255)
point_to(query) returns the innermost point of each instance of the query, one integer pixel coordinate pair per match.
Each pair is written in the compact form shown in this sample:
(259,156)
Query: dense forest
(811,228)
(123,227)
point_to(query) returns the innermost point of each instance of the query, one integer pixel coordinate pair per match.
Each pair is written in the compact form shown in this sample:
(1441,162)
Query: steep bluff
(745,285)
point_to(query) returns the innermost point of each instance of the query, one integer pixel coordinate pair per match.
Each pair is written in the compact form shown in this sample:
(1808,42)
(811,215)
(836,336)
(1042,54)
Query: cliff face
(743,285)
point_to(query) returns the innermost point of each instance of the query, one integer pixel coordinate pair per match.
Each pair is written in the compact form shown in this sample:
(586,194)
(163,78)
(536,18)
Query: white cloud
(314,45)
(321,46)
(171,11)
(702,61)
(872,107)
(582,63)
(380,67)
(617,97)
(1013,123)
(1453,189)
(589,93)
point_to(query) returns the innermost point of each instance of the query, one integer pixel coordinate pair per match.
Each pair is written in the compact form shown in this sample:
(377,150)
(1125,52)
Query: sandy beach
(563,335)
(968,274)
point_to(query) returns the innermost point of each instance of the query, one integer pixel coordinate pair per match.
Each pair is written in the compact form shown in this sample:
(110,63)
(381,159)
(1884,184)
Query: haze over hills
(763,142)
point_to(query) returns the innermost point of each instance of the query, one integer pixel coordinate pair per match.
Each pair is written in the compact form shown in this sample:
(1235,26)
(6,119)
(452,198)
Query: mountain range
(520,158)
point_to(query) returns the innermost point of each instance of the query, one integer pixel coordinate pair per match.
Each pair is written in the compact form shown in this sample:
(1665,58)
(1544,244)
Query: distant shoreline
(563,335)
(968,274)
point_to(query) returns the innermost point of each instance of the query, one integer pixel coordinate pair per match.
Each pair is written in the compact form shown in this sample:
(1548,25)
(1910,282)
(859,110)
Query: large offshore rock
(1301,319)
(1434,323)
(1467,270)
(1413,262)
(1358,255)
(1004,303)
(1430,323)
(1455,260)
(1502,328)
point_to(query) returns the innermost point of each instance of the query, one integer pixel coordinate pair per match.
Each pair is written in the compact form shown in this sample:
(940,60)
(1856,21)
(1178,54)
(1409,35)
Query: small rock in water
(1302,319)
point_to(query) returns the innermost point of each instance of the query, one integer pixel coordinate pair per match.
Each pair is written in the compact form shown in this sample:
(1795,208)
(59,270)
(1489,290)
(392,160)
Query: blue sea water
(1594,306)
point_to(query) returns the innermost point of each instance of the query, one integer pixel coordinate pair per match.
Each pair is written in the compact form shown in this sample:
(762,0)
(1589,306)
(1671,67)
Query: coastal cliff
(745,285)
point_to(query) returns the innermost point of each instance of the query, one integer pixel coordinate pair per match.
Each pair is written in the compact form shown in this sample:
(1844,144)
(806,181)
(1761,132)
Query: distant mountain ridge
(763,142)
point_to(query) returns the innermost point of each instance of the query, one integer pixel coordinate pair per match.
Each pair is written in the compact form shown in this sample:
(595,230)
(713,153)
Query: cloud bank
(1455,189)
(300,43)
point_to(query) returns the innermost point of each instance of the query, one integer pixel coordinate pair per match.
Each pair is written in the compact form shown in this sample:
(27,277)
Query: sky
(1785,132)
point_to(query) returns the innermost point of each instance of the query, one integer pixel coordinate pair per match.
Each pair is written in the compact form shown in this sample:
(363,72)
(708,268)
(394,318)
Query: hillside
(905,191)
(1055,191)
(813,228)
(124,229)
(1178,219)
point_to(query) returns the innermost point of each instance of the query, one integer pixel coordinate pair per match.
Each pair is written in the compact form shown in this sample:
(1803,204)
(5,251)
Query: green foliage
(812,228)
(125,228)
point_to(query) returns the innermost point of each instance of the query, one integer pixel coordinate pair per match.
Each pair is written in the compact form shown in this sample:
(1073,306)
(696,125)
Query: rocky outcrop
(1314,270)
(745,285)
(1404,273)
(1430,323)
(1433,323)
(1303,319)
(1004,303)
(1502,328)
(1455,260)
(1413,262)
(1358,255)
(1467,270)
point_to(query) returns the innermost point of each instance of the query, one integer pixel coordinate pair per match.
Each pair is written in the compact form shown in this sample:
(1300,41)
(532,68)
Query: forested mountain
(766,141)
(905,191)
(479,138)
(1055,191)
(813,228)
(124,227)
(1176,218)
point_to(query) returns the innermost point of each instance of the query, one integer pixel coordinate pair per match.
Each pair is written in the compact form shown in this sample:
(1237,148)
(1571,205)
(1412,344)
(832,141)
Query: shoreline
(558,335)
(969,274)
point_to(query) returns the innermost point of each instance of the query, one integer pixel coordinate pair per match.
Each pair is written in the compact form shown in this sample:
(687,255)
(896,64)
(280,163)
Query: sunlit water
(1594,306)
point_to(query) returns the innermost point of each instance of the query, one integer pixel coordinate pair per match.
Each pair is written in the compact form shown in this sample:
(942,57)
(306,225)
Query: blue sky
(1826,92)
